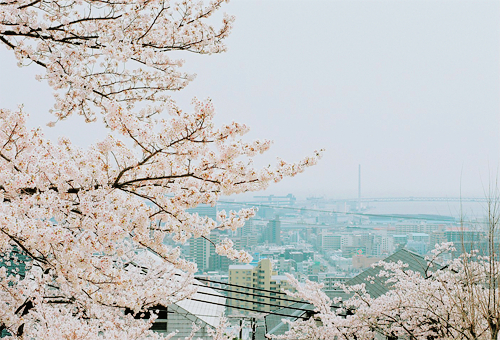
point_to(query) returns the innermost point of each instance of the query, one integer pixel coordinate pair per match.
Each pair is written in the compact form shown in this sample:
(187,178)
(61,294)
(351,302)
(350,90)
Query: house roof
(275,324)
(206,304)
(208,307)
(377,286)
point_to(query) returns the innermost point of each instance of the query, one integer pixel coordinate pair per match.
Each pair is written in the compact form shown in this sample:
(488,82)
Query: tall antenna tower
(359,187)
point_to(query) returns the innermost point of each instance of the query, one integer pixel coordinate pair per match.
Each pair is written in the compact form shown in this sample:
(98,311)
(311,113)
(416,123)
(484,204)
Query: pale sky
(409,89)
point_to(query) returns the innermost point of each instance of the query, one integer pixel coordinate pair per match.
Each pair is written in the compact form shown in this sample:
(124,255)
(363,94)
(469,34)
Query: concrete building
(346,241)
(383,245)
(204,210)
(436,237)
(273,231)
(400,240)
(420,237)
(341,263)
(247,236)
(330,241)
(264,287)
(466,240)
(241,275)
(408,228)
(199,252)
(199,248)
(330,282)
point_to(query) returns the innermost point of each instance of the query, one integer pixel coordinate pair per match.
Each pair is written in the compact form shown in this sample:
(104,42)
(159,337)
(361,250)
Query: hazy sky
(409,89)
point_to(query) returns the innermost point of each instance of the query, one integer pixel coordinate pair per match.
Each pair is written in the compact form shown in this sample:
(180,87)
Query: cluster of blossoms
(96,52)
(86,218)
(458,300)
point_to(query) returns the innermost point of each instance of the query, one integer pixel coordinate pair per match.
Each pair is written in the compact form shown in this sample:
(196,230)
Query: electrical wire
(250,294)
(239,286)
(250,309)
(258,295)
(276,298)
(253,302)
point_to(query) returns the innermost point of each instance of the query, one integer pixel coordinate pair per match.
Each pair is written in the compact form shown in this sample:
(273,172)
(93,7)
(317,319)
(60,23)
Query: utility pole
(253,328)
(243,321)
(241,328)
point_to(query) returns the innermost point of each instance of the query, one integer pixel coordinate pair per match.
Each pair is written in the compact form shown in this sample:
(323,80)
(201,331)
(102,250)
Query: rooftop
(377,286)
(241,267)
(206,304)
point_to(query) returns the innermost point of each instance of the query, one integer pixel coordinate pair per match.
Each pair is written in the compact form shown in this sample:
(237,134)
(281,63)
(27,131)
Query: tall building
(262,277)
(466,240)
(199,252)
(241,275)
(247,236)
(214,259)
(200,249)
(383,245)
(273,231)
(247,229)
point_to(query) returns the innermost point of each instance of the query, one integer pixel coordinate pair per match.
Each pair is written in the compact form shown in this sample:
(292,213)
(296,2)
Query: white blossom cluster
(97,52)
(457,300)
(85,217)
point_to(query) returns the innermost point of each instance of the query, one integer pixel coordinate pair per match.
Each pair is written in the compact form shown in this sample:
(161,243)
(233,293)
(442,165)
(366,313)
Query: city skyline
(137,201)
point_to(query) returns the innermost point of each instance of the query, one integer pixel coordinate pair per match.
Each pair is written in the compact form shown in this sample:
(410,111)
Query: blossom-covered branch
(101,52)
(88,225)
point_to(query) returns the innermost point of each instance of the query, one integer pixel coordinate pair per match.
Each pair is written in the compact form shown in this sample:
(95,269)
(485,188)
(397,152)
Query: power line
(242,292)
(162,309)
(243,287)
(253,301)
(258,295)
(250,294)
(250,309)
(239,286)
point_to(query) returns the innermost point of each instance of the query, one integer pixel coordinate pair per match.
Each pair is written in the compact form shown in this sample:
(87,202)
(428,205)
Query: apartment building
(264,288)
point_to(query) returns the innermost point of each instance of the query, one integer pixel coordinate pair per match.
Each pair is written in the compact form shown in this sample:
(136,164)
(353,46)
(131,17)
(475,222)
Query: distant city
(325,240)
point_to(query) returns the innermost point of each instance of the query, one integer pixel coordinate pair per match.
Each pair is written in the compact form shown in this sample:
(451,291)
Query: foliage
(459,300)
(89,219)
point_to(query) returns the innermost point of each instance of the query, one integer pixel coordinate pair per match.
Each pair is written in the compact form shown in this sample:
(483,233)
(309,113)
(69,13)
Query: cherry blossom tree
(89,220)
(459,300)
